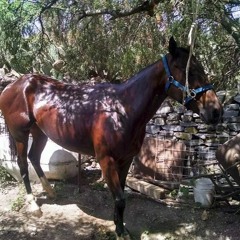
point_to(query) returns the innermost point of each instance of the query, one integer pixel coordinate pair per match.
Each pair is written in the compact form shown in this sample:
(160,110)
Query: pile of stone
(7,77)
(173,122)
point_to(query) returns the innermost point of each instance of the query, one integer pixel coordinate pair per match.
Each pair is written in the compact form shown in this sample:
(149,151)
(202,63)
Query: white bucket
(204,192)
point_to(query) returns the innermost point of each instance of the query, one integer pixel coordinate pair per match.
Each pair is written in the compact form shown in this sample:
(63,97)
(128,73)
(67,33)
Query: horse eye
(179,67)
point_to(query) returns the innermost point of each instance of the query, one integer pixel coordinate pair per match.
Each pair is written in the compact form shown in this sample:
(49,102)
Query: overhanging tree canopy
(115,39)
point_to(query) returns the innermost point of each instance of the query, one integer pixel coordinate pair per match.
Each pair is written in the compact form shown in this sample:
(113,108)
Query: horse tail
(5,131)
(3,125)
(12,145)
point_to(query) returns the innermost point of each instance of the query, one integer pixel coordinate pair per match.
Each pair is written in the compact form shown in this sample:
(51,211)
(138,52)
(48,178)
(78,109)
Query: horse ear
(172,46)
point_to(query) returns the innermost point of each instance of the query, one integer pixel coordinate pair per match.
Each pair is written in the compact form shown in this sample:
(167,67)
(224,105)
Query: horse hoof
(125,237)
(32,207)
(36,212)
(52,195)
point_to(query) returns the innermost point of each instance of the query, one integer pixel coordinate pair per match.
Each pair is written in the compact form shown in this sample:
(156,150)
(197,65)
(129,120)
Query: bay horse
(106,120)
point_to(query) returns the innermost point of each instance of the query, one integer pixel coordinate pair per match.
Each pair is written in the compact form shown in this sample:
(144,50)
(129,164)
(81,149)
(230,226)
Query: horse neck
(144,92)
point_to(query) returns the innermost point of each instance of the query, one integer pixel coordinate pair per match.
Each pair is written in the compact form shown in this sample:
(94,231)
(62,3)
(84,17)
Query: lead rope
(156,158)
(191,41)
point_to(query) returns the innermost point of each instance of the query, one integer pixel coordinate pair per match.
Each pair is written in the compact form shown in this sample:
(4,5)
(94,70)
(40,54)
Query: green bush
(5,176)
(19,202)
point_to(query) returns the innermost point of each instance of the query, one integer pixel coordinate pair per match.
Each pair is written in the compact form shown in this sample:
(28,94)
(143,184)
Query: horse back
(81,118)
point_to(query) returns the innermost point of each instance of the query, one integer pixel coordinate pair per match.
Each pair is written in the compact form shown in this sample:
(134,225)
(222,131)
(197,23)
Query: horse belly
(80,143)
(72,134)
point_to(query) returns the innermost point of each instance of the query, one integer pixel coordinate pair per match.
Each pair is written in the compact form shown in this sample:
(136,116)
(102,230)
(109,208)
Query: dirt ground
(88,215)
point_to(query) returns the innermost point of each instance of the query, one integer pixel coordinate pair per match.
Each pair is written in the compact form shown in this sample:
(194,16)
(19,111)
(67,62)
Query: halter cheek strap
(190,93)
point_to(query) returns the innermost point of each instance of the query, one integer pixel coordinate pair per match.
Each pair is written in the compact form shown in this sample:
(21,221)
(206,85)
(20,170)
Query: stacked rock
(173,122)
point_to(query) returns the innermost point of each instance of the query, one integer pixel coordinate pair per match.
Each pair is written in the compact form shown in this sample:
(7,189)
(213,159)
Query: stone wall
(173,122)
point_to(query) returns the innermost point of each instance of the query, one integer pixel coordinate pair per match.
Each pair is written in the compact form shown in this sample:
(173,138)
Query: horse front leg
(111,175)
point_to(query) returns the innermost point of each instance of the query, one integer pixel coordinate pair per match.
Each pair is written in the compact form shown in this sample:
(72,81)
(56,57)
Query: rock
(2,72)
(192,130)
(173,117)
(233,106)
(233,134)
(234,126)
(221,95)
(205,215)
(58,64)
(165,133)
(180,109)
(188,124)
(172,122)
(237,98)
(183,136)
(188,113)
(165,108)
(194,142)
(187,118)
(230,113)
(231,119)
(173,128)
(159,121)
(230,96)
(202,126)
(195,115)
(153,129)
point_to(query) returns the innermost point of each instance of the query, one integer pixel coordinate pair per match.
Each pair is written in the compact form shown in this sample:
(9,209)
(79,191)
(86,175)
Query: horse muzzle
(211,115)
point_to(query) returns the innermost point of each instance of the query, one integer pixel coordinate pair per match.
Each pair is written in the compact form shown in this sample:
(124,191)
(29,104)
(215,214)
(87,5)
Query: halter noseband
(190,93)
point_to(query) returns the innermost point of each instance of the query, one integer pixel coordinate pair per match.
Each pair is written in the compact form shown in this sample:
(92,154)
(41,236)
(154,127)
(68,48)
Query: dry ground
(88,215)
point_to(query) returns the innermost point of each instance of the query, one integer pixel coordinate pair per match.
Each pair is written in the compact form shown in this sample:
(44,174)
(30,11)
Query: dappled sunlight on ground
(88,215)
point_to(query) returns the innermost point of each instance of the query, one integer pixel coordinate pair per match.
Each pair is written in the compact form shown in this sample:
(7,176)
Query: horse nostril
(216,115)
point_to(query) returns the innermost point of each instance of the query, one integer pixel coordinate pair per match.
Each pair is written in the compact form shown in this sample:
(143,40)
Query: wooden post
(79,170)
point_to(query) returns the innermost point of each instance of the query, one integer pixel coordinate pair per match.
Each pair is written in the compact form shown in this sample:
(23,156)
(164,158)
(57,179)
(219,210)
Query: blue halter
(190,93)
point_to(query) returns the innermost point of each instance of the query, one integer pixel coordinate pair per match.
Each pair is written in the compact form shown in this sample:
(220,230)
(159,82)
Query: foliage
(5,176)
(104,234)
(99,186)
(115,39)
(19,202)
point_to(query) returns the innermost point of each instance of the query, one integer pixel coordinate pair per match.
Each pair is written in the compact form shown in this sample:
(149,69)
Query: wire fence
(177,146)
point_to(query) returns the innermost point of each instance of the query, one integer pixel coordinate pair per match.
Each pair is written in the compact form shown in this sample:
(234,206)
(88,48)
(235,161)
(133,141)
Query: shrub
(5,177)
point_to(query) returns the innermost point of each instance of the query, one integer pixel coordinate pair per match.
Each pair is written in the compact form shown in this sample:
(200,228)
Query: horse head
(199,95)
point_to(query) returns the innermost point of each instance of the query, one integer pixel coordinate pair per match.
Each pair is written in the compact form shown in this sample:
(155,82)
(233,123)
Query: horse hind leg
(38,144)
(22,147)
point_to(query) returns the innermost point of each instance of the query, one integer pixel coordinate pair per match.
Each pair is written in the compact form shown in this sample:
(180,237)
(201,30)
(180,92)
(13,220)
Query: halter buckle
(193,93)
(170,79)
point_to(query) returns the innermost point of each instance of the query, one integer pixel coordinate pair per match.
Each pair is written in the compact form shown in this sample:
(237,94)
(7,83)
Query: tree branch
(232,2)
(147,6)
(44,8)
(232,27)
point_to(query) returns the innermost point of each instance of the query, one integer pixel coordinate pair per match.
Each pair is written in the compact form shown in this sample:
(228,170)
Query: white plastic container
(204,192)
(57,163)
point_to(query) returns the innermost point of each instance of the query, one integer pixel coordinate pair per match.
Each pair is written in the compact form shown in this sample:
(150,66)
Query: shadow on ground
(88,215)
